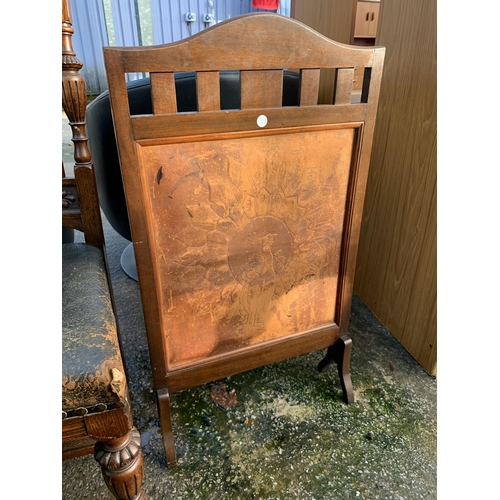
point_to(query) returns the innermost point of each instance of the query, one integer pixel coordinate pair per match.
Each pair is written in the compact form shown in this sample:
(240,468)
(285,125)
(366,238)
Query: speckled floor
(290,436)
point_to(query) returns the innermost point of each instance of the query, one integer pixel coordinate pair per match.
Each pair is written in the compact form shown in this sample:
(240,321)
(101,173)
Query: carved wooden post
(118,447)
(74,101)
(122,466)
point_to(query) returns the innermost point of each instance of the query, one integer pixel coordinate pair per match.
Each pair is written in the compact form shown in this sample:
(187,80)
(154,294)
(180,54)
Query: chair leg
(122,466)
(166,426)
(340,352)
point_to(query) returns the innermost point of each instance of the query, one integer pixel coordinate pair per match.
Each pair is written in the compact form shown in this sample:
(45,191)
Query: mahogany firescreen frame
(245,222)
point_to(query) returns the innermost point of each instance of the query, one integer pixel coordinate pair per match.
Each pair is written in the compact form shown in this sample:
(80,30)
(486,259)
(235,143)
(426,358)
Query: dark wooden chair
(96,408)
(245,222)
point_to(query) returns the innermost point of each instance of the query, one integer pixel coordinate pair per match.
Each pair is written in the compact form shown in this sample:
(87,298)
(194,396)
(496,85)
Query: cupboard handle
(367,16)
(373,16)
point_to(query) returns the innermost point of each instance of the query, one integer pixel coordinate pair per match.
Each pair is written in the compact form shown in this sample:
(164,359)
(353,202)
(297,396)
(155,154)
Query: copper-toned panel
(246,236)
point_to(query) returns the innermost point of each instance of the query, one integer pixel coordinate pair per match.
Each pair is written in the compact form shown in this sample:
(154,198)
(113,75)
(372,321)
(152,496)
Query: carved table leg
(340,352)
(166,427)
(122,467)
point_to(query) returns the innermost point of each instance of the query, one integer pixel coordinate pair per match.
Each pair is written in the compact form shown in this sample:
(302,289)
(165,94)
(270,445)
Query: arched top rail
(283,43)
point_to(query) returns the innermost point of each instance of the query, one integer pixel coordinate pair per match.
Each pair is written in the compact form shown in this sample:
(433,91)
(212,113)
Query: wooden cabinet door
(366,19)
(363,15)
(372,25)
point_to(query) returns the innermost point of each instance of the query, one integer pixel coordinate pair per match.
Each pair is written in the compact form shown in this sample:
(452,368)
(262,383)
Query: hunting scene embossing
(249,244)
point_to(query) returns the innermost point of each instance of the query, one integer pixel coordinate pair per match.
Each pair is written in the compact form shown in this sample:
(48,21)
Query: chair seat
(93,377)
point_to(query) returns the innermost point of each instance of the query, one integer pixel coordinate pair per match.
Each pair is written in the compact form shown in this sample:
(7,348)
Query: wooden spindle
(74,102)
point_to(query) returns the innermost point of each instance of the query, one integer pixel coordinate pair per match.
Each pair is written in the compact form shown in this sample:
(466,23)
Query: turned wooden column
(118,443)
(122,465)
(74,101)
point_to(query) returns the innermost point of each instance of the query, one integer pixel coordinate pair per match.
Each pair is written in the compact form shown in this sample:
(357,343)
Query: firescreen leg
(340,352)
(166,427)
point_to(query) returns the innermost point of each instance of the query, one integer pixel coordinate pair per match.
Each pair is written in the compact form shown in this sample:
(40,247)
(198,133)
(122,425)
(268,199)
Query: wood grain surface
(396,269)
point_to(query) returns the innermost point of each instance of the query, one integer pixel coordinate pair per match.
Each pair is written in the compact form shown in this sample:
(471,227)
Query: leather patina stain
(92,369)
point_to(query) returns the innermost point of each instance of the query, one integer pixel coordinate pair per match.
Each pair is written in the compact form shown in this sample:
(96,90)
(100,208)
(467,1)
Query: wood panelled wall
(396,268)
(397,262)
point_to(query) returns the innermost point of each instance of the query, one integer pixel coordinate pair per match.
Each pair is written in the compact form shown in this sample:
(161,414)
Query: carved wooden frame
(104,429)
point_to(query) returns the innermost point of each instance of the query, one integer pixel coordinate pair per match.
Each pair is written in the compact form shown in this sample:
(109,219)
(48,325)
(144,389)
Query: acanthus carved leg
(122,466)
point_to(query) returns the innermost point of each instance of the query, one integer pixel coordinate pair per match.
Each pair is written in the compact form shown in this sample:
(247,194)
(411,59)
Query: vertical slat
(343,86)
(261,89)
(208,90)
(163,93)
(309,87)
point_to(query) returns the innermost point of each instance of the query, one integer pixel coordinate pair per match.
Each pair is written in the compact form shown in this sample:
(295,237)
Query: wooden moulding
(226,365)
(158,128)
